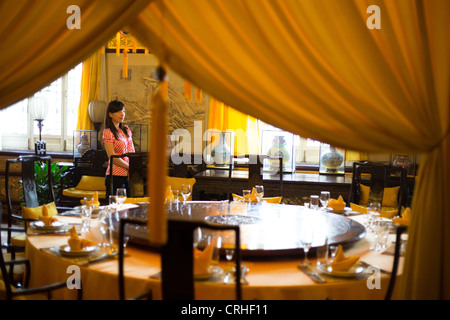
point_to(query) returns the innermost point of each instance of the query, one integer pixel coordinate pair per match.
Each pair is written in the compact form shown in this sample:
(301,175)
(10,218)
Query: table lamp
(39,110)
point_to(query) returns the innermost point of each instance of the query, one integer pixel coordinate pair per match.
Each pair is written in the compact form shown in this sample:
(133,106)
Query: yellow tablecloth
(268,280)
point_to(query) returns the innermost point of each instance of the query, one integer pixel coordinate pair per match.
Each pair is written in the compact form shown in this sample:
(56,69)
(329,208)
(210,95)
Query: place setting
(330,263)
(47,224)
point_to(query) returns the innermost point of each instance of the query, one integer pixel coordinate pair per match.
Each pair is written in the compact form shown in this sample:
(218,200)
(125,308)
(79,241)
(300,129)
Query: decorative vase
(221,152)
(332,160)
(277,149)
(84,144)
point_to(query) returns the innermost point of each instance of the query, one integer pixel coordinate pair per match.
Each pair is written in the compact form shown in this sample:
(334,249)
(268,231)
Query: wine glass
(306,241)
(324,199)
(259,191)
(121,196)
(185,191)
(373,213)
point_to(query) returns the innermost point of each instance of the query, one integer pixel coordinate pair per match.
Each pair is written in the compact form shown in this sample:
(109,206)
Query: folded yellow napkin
(96,203)
(386,212)
(169,194)
(76,243)
(253,198)
(343,263)
(202,259)
(338,204)
(45,217)
(358,208)
(405,219)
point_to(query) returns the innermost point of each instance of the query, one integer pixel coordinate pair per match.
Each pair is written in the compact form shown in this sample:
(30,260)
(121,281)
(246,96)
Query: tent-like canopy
(315,68)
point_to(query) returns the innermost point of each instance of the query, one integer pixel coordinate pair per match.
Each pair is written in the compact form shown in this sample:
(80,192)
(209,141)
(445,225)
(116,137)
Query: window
(18,131)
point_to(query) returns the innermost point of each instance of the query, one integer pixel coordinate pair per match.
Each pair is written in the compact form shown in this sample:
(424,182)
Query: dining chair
(397,252)
(186,165)
(16,223)
(10,288)
(124,221)
(178,282)
(255,166)
(137,173)
(381,182)
(85,177)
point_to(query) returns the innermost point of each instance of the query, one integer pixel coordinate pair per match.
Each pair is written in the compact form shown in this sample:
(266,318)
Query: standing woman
(117,140)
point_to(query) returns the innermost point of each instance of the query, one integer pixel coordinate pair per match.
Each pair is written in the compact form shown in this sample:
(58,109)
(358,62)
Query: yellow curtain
(37,46)
(312,68)
(90,87)
(315,68)
(245,128)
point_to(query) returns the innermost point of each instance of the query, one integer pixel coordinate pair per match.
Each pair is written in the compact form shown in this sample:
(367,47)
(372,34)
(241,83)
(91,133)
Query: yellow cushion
(74,193)
(19,240)
(136,200)
(34,213)
(175,183)
(389,196)
(91,183)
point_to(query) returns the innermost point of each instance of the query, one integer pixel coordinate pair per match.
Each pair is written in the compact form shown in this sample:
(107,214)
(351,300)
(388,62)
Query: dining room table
(272,251)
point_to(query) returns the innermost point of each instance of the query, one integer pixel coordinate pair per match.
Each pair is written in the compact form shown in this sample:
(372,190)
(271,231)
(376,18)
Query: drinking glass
(373,213)
(104,229)
(333,251)
(306,241)
(86,215)
(112,203)
(247,196)
(259,190)
(324,199)
(314,202)
(121,196)
(185,191)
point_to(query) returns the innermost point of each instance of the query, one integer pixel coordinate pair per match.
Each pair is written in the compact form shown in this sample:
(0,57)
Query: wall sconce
(39,110)
(97,111)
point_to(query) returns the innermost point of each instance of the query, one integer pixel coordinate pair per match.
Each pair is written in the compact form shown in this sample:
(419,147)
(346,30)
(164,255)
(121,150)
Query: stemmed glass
(121,196)
(185,191)
(259,190)
(306,241)
(373,213)
(324,199)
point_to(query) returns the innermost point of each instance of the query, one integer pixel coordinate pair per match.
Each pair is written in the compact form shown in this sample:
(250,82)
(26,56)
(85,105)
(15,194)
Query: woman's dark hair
(113,107)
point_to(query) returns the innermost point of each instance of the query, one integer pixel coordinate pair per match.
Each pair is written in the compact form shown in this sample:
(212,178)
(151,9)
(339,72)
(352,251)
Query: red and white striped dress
(121,146)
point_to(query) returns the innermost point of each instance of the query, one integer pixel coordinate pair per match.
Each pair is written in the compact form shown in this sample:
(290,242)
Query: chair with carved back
(137,173)
(384,183)
(255,166)
(16,222)
(178,283)
(186,165)
(85,177)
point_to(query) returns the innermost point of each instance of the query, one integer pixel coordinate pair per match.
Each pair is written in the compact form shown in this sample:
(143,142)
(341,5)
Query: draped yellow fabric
(37,46)
(245,128)
(316,69)
(90,87)
(312,68)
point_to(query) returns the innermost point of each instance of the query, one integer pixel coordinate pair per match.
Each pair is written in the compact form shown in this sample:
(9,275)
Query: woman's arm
(109,147)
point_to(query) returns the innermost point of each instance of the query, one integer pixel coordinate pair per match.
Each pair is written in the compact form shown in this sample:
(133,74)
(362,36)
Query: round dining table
(272,250)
